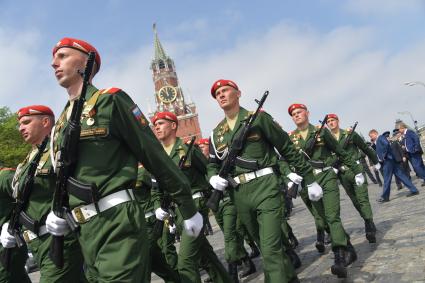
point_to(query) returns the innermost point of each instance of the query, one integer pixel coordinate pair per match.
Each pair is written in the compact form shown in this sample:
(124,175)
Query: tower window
(161,64)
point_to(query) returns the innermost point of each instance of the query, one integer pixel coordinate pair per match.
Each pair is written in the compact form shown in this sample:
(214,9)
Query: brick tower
(169,94)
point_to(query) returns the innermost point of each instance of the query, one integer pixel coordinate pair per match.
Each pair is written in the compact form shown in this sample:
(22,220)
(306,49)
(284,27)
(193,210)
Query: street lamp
(415,83)
(411,117)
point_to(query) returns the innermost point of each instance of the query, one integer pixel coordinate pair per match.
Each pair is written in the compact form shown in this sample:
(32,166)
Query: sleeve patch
(137,113)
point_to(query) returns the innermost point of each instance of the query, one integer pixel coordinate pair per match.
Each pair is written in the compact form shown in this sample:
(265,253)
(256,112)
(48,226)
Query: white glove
(377,166)
(315,191)
(161,214)
(335,170)
(218,183)
(297,179)
(359,178)
(194,225)
(7,240)
(172,229)
(55,225)
(290,184)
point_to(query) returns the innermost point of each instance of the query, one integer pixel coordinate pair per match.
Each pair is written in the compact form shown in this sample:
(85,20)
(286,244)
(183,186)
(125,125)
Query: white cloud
(384,7)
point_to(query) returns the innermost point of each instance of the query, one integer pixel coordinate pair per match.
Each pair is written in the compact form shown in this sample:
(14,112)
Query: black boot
(255,252)
(233,271)
(296,262)
(350,254)
(370,230)
(338,268)
(293,240)
(295,280)
(328,238)
(248,267)
(320,243)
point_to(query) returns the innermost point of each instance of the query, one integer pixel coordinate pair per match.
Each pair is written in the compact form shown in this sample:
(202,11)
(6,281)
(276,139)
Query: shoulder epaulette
(111,90)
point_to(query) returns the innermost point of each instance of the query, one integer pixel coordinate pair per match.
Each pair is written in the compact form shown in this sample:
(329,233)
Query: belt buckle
(79,215)
(242,178)
(26,236)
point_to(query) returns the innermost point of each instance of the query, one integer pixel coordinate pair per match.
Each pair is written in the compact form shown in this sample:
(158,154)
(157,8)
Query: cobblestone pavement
(398,255)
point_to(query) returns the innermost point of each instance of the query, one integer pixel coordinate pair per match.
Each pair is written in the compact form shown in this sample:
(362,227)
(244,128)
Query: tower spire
(159,50)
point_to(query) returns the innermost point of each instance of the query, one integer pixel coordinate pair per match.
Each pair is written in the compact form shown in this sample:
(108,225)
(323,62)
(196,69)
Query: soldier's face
(205,150)
(33,128)
(164,129)
(300,116)
(332,123)
(227,97)
(67,62)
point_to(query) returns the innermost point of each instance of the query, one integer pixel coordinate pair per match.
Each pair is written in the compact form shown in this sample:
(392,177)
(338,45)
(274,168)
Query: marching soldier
(191,249)
(357,193)
(115,136)
(17,273)
(35,123)
(329,207)
(257,196)
(149,198)
(227,219)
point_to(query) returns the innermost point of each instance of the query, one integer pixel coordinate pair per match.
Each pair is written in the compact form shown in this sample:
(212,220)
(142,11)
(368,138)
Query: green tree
(13,149)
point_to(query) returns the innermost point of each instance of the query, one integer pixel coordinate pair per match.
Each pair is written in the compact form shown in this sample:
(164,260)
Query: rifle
(21,203)
(337,163)
(235,149)
(166,200)
(65,164)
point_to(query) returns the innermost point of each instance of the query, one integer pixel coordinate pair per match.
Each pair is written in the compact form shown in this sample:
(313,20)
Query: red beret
(204,141)
(333,116)
(35,110)
(296,106)
(166,116)
(79,45)
(221,83)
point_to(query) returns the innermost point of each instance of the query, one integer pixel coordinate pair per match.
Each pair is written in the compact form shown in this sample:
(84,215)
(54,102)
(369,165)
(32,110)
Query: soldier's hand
(194,225)
(56,226)
(378,166)
(359,178)
(315,191)
(297,179)
(172,229)
(7,240)
(161,214)
(335,170)
(218,183)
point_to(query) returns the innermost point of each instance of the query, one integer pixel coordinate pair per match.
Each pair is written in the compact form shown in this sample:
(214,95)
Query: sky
(349,57)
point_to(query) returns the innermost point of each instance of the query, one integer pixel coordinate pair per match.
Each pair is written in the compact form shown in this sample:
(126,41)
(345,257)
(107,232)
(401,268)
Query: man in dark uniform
(115,137)
(414,150)
(257,197)
(192,250)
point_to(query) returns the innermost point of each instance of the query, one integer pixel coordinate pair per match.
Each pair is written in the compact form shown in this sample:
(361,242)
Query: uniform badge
(139,115)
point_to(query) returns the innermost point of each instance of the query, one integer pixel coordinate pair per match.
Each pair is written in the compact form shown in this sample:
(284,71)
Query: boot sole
(339,271)
(320,247)
(371,238)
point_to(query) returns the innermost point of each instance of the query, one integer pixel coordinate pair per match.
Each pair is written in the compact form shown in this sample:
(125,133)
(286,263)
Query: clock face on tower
(167,94)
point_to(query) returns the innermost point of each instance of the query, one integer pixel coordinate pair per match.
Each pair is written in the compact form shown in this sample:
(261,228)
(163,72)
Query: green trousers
(17,273)
(227,219)
(194,250)
(260,208)
(358,194)
(72,270)
(158,263)
(114,244)
(328,207)
(319,221)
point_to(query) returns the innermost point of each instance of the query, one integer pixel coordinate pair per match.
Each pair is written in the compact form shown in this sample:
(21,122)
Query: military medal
(90,122)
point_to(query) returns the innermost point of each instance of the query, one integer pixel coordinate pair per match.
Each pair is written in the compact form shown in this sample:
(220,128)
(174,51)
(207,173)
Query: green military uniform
(193,249)
(38,207)
(258,199)
(147,198)
(358,194)
(115,136)
(17,273)
(328,207)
